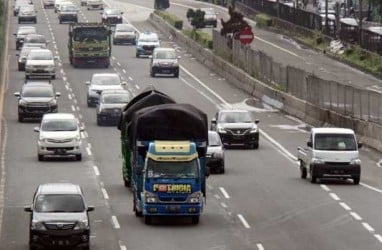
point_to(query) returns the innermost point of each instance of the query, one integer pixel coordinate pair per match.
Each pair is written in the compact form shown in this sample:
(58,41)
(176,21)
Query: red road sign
(246,36)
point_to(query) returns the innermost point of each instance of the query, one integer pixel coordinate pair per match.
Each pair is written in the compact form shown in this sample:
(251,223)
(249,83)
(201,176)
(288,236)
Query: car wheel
(20,117)
(26,77)
(126,182)
(86,247)
(20,68)
(152,73)
(32,247)
(136,55)
(99,121)
(148,219)
(176,74)
(356,180)
(88,8)
(255,145)
(313,177)
(79,157)
(303,171)
(53,77)
(195,219)
(40,157)
(222,169)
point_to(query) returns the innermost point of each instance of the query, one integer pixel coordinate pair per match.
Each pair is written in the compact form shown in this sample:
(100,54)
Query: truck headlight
(195,197)
(222,130)
(150,198)
(37,225)
(81,225)
(317,161)
(355,161)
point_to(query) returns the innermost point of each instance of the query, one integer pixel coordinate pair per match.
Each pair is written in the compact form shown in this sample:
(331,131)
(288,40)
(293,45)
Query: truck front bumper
(336,170)
(172,209)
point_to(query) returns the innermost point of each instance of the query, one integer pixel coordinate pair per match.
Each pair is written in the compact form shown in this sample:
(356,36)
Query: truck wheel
(313,177)
(137,213)
(147,219)
(356,180)
(40,157)
(303,171)
(195,219)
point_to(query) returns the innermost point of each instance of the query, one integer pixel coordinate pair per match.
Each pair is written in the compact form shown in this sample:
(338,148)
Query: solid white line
(73,108)
(379,237)
(242,219)
(345,206)
(105,195)
(334,197)
(324,187)
(223,204)
(368,227)
(379,163)
(372,188)
(224,192)
(96,171)
(355,216)
(260,246)
(89,151)
(115,222)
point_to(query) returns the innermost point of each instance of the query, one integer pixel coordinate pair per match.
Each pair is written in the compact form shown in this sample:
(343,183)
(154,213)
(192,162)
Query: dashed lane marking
(104,193)
(224,192)
(260,246)
(96,171)
(324,187)
(345,206)
(89,151)
(334,197)
(368,227)
(242,219)
(355,216)
(115,222)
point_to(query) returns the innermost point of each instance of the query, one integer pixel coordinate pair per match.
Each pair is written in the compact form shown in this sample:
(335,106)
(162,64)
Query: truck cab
(170,181)
(330,153)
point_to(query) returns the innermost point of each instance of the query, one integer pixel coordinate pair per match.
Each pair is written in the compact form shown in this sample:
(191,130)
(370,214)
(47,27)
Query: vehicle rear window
(165,55)
(116,98)
(38,92)
(59,203)
(40,55)
(59,125)
(106,80)
(214,139)
(338,142)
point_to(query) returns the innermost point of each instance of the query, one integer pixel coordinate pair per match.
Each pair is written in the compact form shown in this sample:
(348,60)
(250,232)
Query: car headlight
(254,130)
(355,161)
(317,161)
(221,130)
(37,225)
(195,197)
(150,197)
(50,67)
(23,103)
(81,225)
(53,102)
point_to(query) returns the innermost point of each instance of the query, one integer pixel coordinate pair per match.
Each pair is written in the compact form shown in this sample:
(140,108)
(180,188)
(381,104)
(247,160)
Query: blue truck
(167,145)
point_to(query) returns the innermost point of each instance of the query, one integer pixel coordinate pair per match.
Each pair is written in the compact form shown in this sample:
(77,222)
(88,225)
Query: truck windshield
(338,142)
(173,169)
(84,34)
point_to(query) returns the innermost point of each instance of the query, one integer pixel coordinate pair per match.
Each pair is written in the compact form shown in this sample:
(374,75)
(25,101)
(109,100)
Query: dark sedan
(215,152)
(110,106)
(236,127)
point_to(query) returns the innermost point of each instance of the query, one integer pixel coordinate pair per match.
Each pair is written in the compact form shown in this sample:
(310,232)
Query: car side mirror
(36,129)
(90,208)
(257,121)
(150,56)
(123,83)
(28,208)
(213,120)
(360,144)
(16,94)
(58,94)
(87,82)
(309,144)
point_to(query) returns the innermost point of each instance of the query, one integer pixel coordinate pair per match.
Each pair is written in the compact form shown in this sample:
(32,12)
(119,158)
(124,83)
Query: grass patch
(199,36)
(170,18)
(263,20)
(364,59)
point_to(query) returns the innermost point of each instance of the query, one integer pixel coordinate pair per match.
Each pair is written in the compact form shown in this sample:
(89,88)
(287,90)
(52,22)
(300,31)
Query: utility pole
(326,17)
(360,33)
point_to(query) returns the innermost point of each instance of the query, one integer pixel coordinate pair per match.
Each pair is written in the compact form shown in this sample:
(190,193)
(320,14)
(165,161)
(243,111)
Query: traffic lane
(284,211)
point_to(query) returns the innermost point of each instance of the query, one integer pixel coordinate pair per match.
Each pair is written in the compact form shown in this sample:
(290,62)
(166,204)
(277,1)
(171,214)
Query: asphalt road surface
(259,203)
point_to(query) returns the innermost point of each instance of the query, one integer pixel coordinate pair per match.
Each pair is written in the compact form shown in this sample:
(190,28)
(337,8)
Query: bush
(170,18)
(263,20)
(202,38)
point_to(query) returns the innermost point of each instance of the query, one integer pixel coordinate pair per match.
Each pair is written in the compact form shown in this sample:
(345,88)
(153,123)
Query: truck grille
(60,226)
(59,140)
(91,49)
(238,131)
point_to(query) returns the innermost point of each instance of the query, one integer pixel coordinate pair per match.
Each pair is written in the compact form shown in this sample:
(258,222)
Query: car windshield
(106,80)
(149,39)
(185,169)
(35,39)
(40,55)
(165,55)
(235,117)
(125,29)
(37,92)
(90,34)
(338,142)
(112,12)
(26,9)
(68,8)
(59,203)
(59,125)
(116,98)
(214,139)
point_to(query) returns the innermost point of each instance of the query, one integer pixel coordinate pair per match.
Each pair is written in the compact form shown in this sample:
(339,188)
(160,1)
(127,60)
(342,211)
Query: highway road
(259,203)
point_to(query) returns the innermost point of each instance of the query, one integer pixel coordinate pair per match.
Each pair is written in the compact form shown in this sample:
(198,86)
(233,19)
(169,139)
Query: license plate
(60,151)
(173,209)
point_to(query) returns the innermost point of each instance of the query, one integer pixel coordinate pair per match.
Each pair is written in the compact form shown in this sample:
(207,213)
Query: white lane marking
(73,108)
(223,204)
(368,227)
(334,197)
(119,65)
(64,78)
(82,135)
(209,186)
(372,188)
(89,151)
(75,101)
(285,152)
(217,196)
(280,48)
(345,206)
(96,171)
(124,71)
(324,187)
(136,86)
(2,163)
(355,216)
(260,246)
(379,163)
(379,237)
(89,145)
(78,108)
(242,219)
(115,222)
(70,96)
(199,91)
(67,87)
(224,192)
(123,247)
(104,192)
(130,78)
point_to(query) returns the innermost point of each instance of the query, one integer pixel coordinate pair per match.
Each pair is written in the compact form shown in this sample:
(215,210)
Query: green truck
(89,44)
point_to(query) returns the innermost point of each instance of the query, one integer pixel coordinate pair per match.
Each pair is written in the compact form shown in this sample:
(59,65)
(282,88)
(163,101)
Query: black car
(236,127)
(215,153)
(111,16)
(35,99)
(111,103)
(59,217)
(164,61)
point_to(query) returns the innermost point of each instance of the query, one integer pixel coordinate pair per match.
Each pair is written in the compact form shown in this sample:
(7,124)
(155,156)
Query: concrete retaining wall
(369,133)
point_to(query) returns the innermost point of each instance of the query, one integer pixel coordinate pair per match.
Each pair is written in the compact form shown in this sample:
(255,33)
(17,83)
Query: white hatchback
(60,135)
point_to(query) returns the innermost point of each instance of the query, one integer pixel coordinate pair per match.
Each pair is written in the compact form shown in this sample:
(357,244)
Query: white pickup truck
(330,153)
